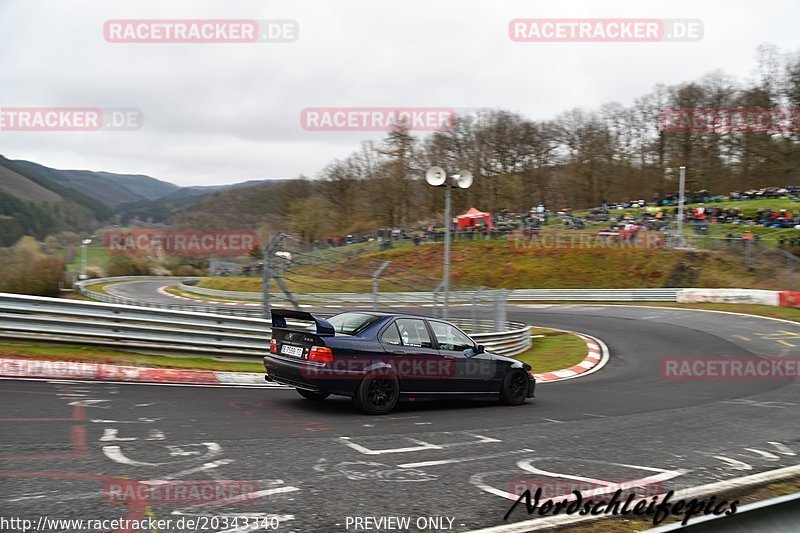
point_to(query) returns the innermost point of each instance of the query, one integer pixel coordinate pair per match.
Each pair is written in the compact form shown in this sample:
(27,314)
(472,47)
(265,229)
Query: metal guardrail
(599,295)
(114,325)
(122,326)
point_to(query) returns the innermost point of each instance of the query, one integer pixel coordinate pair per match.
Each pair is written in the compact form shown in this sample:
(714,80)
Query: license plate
(295,351)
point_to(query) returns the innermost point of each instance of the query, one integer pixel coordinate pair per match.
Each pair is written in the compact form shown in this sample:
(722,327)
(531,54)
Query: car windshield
(352,323)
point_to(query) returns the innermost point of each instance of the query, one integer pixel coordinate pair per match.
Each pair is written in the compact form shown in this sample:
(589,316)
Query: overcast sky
(222,113)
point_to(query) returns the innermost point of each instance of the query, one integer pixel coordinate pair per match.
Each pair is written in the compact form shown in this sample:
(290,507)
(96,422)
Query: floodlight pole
(437,177)
(446,250)
(681,200)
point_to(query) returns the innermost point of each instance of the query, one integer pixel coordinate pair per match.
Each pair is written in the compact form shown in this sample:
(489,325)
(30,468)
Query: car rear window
(352,323)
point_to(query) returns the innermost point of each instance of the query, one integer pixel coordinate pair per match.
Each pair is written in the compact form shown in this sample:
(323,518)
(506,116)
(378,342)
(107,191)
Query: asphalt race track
(316,464)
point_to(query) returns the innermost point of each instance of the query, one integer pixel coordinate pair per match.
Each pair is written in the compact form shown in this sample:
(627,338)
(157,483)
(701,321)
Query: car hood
(511,360)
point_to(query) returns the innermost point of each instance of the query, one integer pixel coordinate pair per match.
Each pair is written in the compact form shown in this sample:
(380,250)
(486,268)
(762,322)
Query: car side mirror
(480,349)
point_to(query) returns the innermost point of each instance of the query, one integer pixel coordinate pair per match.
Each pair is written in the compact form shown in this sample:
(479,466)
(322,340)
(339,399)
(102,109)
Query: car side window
(391,336)
(413,332)
(450,338)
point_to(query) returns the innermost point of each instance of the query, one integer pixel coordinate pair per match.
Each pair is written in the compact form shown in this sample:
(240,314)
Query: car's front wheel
(514,389)
(311,395)
(378,393)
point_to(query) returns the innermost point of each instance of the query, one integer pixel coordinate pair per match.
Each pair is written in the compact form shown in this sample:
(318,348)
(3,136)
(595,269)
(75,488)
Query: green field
(96,256)
(90,354)
(747,208)
(553,350)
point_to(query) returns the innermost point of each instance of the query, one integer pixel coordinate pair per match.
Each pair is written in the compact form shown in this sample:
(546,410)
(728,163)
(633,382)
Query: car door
(473,372)
(417,360)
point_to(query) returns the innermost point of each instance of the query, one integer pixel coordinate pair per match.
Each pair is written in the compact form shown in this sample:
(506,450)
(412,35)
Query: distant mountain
(106,187)
(202,190)
(144,186)
(161,211)
(131,198)
(244,205)
(204,206)
(34,204)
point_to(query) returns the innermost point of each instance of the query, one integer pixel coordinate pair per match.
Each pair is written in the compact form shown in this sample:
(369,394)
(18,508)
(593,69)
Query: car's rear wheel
(377,394)
(514,389)
(311,395)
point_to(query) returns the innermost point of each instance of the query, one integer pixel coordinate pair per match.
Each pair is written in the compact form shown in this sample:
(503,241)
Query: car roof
(385,314)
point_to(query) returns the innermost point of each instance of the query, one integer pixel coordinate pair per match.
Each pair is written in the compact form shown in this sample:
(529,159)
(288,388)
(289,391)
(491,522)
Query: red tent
(474,218)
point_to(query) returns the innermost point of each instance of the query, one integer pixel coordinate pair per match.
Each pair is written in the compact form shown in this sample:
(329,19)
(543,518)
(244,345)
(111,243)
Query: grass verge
(553,350)
(90,354)
(175,291)
(784,313)
(101,287)
(500,263)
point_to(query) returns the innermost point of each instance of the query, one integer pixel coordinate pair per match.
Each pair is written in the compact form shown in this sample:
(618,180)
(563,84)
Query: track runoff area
(667,412)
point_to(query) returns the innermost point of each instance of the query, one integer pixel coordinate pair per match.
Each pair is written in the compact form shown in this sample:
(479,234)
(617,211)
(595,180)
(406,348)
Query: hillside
(160,211)
(245,206)
(137,197)
(109,188)
(495,264)
(33,204)
(24,189)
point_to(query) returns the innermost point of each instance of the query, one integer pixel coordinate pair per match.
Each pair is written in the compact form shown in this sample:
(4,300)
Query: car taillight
(320,354)
(273,346)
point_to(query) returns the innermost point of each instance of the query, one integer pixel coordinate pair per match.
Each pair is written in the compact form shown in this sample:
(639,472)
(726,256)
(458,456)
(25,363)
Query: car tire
(311,395)
(514,389)
(377,394)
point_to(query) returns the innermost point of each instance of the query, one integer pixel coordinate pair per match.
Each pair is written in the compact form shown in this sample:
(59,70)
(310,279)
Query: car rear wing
(279,317)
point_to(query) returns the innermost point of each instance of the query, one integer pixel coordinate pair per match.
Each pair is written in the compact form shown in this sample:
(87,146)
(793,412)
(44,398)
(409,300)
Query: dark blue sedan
(378,359)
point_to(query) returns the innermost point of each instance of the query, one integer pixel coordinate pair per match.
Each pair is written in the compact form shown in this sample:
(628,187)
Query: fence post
(436,299)
(748,254)
(375,276)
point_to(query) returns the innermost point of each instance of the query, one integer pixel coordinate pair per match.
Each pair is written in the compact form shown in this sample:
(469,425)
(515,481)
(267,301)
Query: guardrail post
(375,276)
(474,308)
(500,309)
